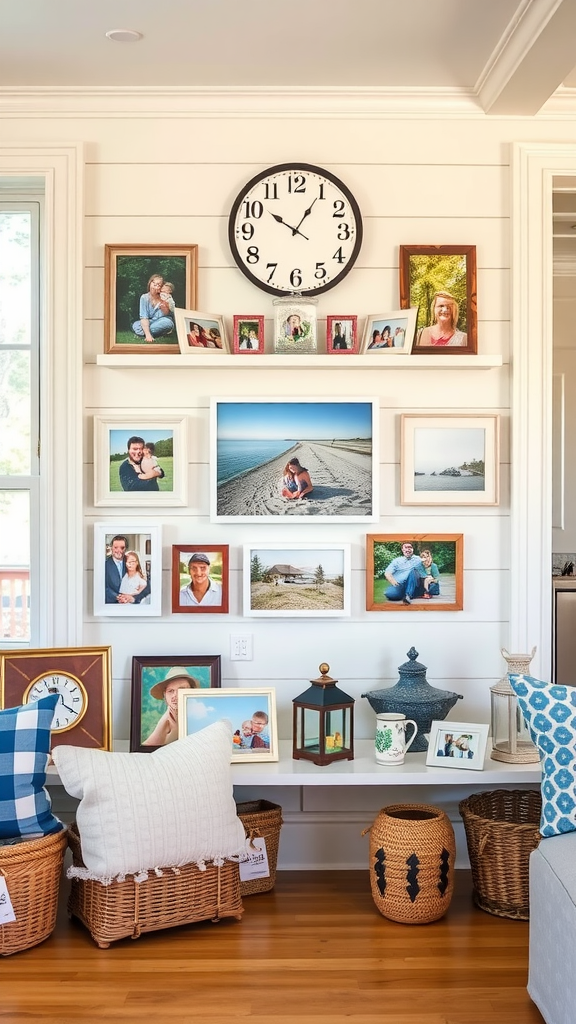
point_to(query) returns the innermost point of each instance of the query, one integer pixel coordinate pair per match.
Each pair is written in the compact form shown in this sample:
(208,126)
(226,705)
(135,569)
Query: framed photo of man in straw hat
(156,682)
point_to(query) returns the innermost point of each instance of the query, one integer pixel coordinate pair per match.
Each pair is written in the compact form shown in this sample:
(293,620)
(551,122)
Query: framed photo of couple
(248,335)
(457,745)
(440,280)
(140,460)
(390,333)
(200,332)
(414,573)
(127,569)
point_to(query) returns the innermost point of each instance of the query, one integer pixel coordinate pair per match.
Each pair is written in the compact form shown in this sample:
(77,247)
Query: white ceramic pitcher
(390,742)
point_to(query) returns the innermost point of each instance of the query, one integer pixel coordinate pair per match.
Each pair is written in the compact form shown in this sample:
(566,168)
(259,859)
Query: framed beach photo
(295,329)
(390,333)
(451,459)
(441,281)
(311,459)
(457,745)
(142,286)
(200,578)
(156,682)
(200,332)
(140,459)
(297,580)
(414,573)
(127,569)
(341,335)
(248,335)
(250,710)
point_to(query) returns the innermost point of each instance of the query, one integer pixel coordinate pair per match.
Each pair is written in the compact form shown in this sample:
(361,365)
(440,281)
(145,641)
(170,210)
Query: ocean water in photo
(438,482)
(236,457)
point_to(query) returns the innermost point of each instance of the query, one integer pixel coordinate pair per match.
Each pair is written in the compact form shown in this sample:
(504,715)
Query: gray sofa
(552,959)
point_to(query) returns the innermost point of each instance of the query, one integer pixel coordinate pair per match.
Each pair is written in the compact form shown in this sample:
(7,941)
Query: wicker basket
(262,819)
(32,871)
(501,832)
(127,909)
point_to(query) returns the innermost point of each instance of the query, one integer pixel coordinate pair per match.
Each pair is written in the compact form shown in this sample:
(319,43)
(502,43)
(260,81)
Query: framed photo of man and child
(127,569)
(407,573)
(251,710)
(140,460)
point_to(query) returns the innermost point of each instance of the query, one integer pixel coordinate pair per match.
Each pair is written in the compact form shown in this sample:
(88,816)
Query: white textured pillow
(171,807)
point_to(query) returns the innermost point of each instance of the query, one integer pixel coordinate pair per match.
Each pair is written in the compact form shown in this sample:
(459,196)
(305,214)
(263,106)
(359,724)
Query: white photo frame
(200,332)
(146,541)
(200,708)
(297,580)
(116,487)
(457,745)
(390,334)
(449,459)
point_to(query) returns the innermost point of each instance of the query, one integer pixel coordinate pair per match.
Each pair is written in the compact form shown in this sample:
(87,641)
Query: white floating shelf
(312,362)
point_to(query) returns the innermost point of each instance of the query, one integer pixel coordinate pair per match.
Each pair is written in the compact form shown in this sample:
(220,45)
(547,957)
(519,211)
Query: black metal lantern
(323,722)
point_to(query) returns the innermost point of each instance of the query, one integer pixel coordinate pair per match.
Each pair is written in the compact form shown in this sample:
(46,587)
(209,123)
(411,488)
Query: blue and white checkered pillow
(550,712)
(24,748)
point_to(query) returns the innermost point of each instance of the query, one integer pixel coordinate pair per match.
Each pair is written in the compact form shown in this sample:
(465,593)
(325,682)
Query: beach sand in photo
(341,474)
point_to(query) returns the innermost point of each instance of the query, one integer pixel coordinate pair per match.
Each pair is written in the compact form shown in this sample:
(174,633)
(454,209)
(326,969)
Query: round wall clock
(73,702)
(295,228)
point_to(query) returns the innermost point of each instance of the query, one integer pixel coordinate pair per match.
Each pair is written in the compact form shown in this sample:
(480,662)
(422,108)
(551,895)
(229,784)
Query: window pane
(15,277)
(15,413)
(15,564)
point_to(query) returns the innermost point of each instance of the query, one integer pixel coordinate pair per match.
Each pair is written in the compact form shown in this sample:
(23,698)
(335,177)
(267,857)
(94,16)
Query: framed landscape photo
(457,745)
(441,281)
(200,332)
(156,682)
(341,335)
(127,569)
(142,286)
(140,460)
(295,329)
(250,710)
(390,333)
(200,578)
(248,336)
(414,572)
(451,459)
(312,459)
(297,580)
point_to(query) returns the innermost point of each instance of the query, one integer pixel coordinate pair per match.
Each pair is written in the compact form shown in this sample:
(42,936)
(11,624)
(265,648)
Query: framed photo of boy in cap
(200,578)
(156,682)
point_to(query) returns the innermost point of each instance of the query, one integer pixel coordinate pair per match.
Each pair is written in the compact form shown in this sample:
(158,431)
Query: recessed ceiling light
(124,35)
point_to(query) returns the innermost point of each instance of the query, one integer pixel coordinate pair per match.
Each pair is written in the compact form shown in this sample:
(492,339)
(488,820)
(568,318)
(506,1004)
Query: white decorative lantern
(510,735)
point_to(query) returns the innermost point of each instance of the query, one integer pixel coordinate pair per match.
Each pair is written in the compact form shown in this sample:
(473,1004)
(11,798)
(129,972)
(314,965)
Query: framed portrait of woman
(156,683)
(441,281)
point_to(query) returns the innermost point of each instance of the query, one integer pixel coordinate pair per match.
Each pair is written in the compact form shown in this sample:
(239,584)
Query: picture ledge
(323,360)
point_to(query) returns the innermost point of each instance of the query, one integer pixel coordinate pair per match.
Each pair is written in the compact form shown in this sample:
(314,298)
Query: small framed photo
(156,683)
(200,578)
(127,569)
(200,332)
(341,335)
(295,327)
(297,580)
(248,338)
(457,745)
(414,573)
(142,286)
(451,459)
(251,711)
(140,460)
(390,333)
(441,281)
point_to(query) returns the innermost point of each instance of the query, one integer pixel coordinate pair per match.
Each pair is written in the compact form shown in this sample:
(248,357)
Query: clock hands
(306,214)
(294,231)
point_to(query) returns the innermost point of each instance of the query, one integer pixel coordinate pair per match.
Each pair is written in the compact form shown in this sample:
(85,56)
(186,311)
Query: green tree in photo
(431,274)
(257,570)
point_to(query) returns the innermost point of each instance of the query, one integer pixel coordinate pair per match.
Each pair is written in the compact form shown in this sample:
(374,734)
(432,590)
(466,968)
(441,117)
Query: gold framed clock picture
(82,678)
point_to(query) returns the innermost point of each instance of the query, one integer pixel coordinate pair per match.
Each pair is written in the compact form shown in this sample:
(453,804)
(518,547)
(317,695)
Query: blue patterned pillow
(550,712)
(24,750)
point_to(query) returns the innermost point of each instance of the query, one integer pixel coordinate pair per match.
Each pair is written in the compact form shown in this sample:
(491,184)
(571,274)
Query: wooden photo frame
(441,281)
(297,580)
(155,715)
(251,710)
(127,475)
(128,273)
(390,334)
(200,332)
(248,335)
(414,572)
(342,335)
(457,745)
(200,578)
(451,459)
(127,588)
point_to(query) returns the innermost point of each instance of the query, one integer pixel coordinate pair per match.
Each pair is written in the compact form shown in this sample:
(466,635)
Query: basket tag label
(257,864)
(7,914)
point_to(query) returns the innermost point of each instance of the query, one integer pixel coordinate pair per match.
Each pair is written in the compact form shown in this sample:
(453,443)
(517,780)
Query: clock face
(73,700)
(295,228)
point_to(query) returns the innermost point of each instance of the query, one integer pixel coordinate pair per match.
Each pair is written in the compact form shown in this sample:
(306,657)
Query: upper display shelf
(321,361)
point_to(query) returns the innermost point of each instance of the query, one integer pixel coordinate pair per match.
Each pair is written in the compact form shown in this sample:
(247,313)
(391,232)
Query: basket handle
(483,840)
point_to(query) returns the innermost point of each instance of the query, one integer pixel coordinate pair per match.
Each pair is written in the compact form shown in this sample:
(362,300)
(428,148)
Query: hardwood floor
(313,951)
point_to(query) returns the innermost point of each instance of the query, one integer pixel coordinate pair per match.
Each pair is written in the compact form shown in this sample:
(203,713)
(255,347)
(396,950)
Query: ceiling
(509,56)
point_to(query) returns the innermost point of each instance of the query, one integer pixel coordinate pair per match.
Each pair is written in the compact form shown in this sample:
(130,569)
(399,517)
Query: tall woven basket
(32,871)
(412,854)
(261,819)
(501,832)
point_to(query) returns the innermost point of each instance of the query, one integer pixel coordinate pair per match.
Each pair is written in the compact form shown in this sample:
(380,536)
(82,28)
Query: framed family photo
(312,459)
(295,330)
(200,332)
(457,745)
(142,286)
(390,333)
(250,710)
(127,569)
(297,580)
(441,281)
(408,573)
(451,459)
(248,335)
(140,460)
(156,684)
(200,578)
(341,335)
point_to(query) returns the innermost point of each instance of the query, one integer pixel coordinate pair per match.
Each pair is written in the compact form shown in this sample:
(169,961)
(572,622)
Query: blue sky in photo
(299,420)
(203,711)
(332,561)
(119,438)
